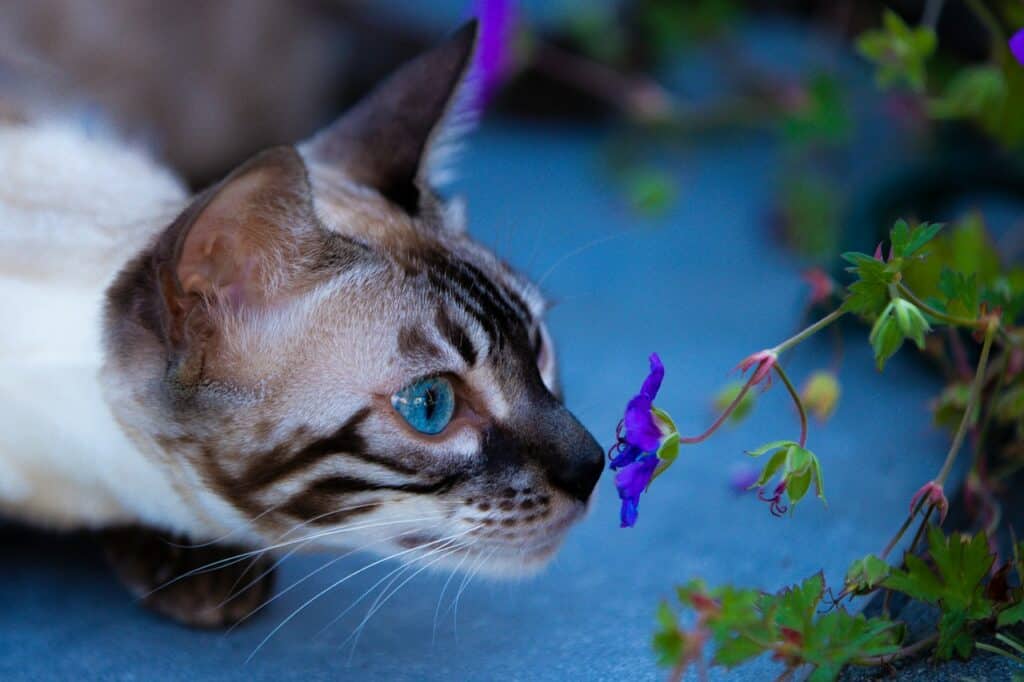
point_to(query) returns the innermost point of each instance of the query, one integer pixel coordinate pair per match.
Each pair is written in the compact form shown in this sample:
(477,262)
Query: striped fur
(254,345)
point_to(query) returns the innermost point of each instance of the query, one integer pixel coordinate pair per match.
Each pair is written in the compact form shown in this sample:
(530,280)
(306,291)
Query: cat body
(73,205)
(310,354)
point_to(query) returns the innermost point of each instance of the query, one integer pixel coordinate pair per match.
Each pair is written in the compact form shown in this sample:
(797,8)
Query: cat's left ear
(391,141)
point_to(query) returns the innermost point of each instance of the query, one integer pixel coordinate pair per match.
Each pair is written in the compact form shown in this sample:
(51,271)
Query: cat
(311,353)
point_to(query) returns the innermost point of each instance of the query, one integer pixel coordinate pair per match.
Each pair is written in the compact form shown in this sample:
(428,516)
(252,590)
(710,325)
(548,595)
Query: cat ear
(391,141)
(242,243)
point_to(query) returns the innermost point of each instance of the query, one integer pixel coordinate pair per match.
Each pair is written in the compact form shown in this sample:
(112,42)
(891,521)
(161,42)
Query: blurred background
(680,176)
(205,84)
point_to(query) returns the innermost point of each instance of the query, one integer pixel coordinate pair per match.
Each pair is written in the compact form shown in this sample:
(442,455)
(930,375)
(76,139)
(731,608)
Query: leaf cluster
(795,465)
(743,624)
(899,52)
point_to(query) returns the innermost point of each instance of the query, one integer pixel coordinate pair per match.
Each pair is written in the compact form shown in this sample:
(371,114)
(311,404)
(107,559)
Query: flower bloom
(493,61)
(822,286)
(638,438)
(762,361)
(821,394)
(932,493)
(1017,46)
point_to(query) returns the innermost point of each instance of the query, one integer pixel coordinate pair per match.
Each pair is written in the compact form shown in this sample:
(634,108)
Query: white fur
(73,209)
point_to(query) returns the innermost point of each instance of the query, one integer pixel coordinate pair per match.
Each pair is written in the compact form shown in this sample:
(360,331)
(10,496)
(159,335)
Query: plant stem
(988,20)
(809,331)
(903,529)
(972,401)
(692,440)
(796,400)
(986,421)
(785,345)
(937,314)
(932,10)
(905,652)
(920,529)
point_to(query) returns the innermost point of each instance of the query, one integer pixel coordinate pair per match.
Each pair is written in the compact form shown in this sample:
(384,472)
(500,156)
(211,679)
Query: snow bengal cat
(311,353)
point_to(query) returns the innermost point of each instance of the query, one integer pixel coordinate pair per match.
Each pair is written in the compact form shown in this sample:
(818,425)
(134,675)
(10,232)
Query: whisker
(236,529)
(335,584)
(462,588)
(398,570)
(281,536)
(384,596)
(440,597)
(580,249)
(315,571)
(228,561)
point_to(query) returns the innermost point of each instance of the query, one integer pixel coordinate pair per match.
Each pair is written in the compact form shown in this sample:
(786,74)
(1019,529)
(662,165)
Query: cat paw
(195,586)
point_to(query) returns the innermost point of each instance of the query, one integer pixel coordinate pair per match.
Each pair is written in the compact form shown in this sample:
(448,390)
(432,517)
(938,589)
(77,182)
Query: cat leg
(150,564)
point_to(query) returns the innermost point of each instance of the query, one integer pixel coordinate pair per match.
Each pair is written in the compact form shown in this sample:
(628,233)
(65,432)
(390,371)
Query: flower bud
(820,394)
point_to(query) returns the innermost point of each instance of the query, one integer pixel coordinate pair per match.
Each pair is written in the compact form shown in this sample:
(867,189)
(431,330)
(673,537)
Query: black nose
(578,459)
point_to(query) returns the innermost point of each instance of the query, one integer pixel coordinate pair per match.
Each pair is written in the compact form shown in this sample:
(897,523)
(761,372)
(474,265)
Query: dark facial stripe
(277,463)
(456,336)
(500,294)
(317,511)
(326,494)
(414,344)
(487,322)
(343,485)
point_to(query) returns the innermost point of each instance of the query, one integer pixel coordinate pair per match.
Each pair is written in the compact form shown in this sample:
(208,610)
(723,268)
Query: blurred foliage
(937,96)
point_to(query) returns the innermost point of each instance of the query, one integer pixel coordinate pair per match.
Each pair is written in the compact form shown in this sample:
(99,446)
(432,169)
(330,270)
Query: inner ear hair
(385,141)
(242,244)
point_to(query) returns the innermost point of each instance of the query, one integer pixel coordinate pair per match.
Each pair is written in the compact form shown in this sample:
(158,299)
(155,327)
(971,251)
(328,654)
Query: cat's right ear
(395,139)
(242,244)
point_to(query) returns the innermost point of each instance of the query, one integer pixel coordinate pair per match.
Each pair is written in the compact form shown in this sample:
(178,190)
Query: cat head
(316,350)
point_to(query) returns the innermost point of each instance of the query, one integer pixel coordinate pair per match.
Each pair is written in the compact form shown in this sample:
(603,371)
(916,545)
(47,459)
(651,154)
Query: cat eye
(426,405)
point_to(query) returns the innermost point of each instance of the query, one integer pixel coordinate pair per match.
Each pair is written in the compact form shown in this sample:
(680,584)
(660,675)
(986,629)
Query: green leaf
(1011,616)
(918,237)
(798,460)
(819,481)
(972,92)
(1009,405)
(955,585)
(733,651)
(869,294)
(866,574)
(771,468)
(650,191)
(798,486)
(668,641)
(898,51)
(774,445)
(823,117)
(948,409)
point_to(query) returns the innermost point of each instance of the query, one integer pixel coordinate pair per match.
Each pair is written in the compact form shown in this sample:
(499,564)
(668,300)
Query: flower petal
(641,429)
(627,516)
(631,482)
(632,479)
(653,381)
(1017,46)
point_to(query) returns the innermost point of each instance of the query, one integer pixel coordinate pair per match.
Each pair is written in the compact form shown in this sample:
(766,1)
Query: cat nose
(580,459)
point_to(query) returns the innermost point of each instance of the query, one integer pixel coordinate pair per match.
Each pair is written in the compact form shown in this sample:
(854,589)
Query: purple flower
(494,52)
(742,478)
(638,437)
(631,481)
(1017,46)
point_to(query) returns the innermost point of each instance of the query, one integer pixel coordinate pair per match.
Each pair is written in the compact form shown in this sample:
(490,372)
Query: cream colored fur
(74,207)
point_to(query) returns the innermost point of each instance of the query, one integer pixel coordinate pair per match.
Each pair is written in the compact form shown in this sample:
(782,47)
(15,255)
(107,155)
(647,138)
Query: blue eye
(427,404)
